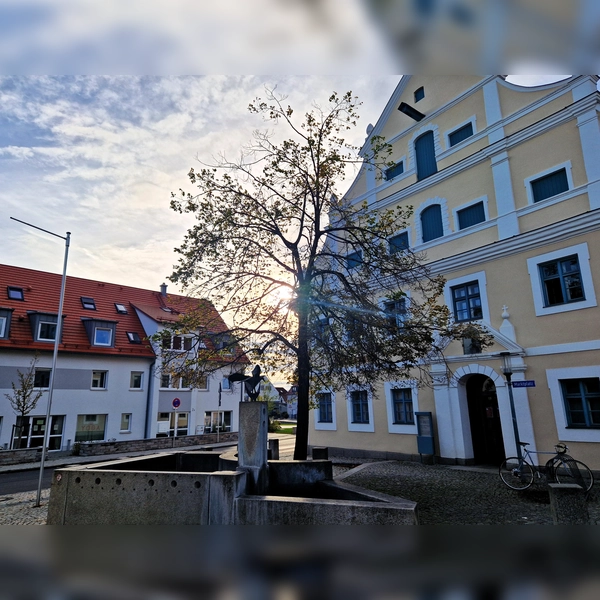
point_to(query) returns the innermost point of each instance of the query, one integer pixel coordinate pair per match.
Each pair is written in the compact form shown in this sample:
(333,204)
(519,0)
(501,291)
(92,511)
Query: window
(177,342)
(466,302)
(102,336)
(217,420)
(359,401)
(582,401)
(354,260)
(174,382)
(88,303)
(394,171)
(3,321)
(431,223)
(325,407)
(135,380)
(165,381)
(125,422)
(133,337)
(561,281)
(398,242)
(15,293)
(396,312)
(419,94)
(225,384)
(99,380)
(46,331)
(41,378)
(460,134)
(471,215)
(549,185)
(403,406)
(30,432)
(425,156)
(120,308)
(90,428)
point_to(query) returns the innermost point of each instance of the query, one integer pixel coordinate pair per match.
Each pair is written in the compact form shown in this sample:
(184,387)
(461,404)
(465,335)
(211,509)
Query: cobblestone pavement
(462,496)
(445,495)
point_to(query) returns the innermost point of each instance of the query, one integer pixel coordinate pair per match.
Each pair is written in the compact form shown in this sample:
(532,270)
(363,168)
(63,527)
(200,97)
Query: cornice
(575,226)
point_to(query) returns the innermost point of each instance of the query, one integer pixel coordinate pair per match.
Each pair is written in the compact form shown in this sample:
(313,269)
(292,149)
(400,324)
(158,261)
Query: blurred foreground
(294,563)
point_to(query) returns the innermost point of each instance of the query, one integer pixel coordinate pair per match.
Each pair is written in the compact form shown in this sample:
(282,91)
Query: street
(24,481)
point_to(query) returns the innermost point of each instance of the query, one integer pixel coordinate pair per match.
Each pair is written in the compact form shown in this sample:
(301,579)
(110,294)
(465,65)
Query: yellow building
(505,185)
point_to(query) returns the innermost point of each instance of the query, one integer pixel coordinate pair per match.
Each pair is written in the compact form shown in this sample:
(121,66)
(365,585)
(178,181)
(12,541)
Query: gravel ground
(445,495)
(462,496)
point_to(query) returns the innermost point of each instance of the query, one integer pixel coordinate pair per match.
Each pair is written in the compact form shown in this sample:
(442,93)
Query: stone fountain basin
(205,488)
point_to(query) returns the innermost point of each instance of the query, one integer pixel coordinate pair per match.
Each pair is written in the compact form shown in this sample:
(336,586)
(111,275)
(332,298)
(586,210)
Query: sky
(100,156)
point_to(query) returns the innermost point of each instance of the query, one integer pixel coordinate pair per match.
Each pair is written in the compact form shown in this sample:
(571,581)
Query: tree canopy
(310,284)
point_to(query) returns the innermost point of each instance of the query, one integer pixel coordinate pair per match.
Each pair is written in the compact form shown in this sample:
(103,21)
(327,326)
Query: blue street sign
(176,402)
(524,383)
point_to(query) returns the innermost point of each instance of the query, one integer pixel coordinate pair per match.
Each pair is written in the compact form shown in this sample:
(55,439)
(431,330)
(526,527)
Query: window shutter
(431,223)
(549,185)
(425,155)
(456,137)
(471,215)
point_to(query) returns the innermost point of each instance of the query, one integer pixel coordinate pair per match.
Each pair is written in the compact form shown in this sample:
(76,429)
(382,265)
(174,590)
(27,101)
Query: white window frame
(449,132)
(568,168)
(480,277)
(455,211)
(326,426)
(400,176)
(39,331)
(226,385)
(96,342)
(141,374)
(400,428)
(364,427)
(583,256)
(3,321)
(103,375)
(128,430)
(565,433)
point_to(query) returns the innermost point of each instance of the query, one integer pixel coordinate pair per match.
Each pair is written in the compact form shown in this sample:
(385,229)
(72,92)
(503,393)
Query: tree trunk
(301,448)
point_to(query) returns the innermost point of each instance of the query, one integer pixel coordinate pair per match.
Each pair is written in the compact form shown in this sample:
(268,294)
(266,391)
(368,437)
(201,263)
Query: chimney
(163,290)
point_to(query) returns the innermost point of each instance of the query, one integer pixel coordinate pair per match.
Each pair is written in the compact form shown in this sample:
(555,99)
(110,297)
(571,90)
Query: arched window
(425,155)
(431,223)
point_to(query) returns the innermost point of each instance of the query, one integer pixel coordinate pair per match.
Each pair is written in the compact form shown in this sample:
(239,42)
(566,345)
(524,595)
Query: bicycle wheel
(574,471)
(515,477)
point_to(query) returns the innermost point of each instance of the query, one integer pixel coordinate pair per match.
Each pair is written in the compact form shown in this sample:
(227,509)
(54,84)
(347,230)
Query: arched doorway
(484,418)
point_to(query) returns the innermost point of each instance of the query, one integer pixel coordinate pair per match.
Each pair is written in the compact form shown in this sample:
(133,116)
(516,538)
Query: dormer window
(5,318)
(121,308)
(43,326)
(133,337)
(15,293)
(88,303)
(100,332)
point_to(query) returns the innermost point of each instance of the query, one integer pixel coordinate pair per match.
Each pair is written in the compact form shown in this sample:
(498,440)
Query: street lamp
(507,370)
(55,354)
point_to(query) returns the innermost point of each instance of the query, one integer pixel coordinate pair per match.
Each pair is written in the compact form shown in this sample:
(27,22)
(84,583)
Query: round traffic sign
(176,402)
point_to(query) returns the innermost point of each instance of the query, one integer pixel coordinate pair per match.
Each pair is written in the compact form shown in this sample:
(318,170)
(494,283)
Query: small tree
(25,396)
(308,283)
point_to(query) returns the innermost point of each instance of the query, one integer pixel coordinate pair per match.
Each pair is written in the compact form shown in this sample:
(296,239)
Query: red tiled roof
(41,294)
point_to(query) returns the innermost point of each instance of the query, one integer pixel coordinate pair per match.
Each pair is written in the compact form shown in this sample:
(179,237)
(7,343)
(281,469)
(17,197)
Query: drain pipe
(149,400)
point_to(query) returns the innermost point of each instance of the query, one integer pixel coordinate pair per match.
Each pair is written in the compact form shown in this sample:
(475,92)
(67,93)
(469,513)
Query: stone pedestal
(568,504)
(252,445)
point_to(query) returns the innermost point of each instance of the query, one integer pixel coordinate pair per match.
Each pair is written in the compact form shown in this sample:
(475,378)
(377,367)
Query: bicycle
(518,474)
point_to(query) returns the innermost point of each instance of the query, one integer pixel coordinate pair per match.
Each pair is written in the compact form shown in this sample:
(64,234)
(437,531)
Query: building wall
(519,134)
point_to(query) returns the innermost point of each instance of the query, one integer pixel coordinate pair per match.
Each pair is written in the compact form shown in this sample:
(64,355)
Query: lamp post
(55,353)
(507,370)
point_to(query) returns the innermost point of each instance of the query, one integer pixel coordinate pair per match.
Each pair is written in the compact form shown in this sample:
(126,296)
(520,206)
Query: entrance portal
(484,416)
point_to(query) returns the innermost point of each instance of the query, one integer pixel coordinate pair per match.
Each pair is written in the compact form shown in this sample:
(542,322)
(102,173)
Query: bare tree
(309,285)
(25,396)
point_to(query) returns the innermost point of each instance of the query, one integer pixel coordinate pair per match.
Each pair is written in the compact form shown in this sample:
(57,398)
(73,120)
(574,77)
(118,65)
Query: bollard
(274,449)
(568,504)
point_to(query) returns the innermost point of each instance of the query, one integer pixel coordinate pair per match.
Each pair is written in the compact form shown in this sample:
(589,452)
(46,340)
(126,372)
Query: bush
(274,426)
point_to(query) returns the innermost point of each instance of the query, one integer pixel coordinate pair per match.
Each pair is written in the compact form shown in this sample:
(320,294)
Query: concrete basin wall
(110,497)
(275,510)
